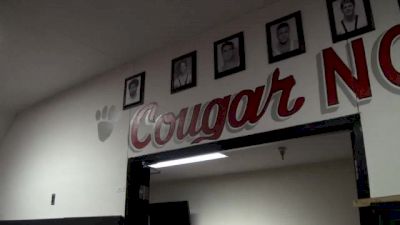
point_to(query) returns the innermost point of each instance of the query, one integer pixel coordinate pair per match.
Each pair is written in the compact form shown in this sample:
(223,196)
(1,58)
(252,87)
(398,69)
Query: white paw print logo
(106,119)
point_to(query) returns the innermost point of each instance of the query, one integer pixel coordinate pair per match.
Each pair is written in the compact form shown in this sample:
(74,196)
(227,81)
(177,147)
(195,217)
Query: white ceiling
(47,46)
(313,149)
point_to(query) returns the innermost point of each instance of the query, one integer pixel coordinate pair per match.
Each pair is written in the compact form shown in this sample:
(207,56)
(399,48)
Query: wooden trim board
(366,202)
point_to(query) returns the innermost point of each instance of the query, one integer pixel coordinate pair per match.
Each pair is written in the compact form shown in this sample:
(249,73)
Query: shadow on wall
(6,120)
(194,219)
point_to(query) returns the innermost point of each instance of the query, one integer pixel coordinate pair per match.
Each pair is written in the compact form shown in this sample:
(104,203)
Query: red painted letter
(192,129)
(251,108)
(385,58)
(334,65)
(214,132)
(284,86)
(167,119)
(146,113)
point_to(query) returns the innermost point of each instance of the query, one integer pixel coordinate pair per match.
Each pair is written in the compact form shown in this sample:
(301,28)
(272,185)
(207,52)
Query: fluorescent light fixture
(188,160)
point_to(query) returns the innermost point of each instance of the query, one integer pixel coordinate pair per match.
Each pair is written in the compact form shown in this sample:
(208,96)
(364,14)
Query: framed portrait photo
(134,90)
(349,18)
(285,37)
(183,74)
(229,56)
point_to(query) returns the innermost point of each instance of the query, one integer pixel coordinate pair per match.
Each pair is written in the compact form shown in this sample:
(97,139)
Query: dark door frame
(350,123)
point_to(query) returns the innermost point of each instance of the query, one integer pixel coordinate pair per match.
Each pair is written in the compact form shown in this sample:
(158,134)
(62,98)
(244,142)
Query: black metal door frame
(350,123)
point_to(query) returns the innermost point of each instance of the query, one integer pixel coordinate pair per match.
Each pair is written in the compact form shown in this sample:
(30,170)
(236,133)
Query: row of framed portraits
(285,39)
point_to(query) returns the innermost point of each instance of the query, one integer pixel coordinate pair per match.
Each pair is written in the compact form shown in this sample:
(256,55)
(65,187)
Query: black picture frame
(286,23)
(129,100)
(236,55)
(189,81)
(363,23)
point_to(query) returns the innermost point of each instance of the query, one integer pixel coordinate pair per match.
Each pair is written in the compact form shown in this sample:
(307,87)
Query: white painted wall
(53,146)
(257,69)
(316,194)
(380,118)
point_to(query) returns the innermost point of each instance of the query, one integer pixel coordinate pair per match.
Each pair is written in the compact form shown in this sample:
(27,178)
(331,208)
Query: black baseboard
(106,220)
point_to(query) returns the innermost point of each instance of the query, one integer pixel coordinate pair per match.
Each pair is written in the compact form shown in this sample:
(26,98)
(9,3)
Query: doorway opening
(308,174)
